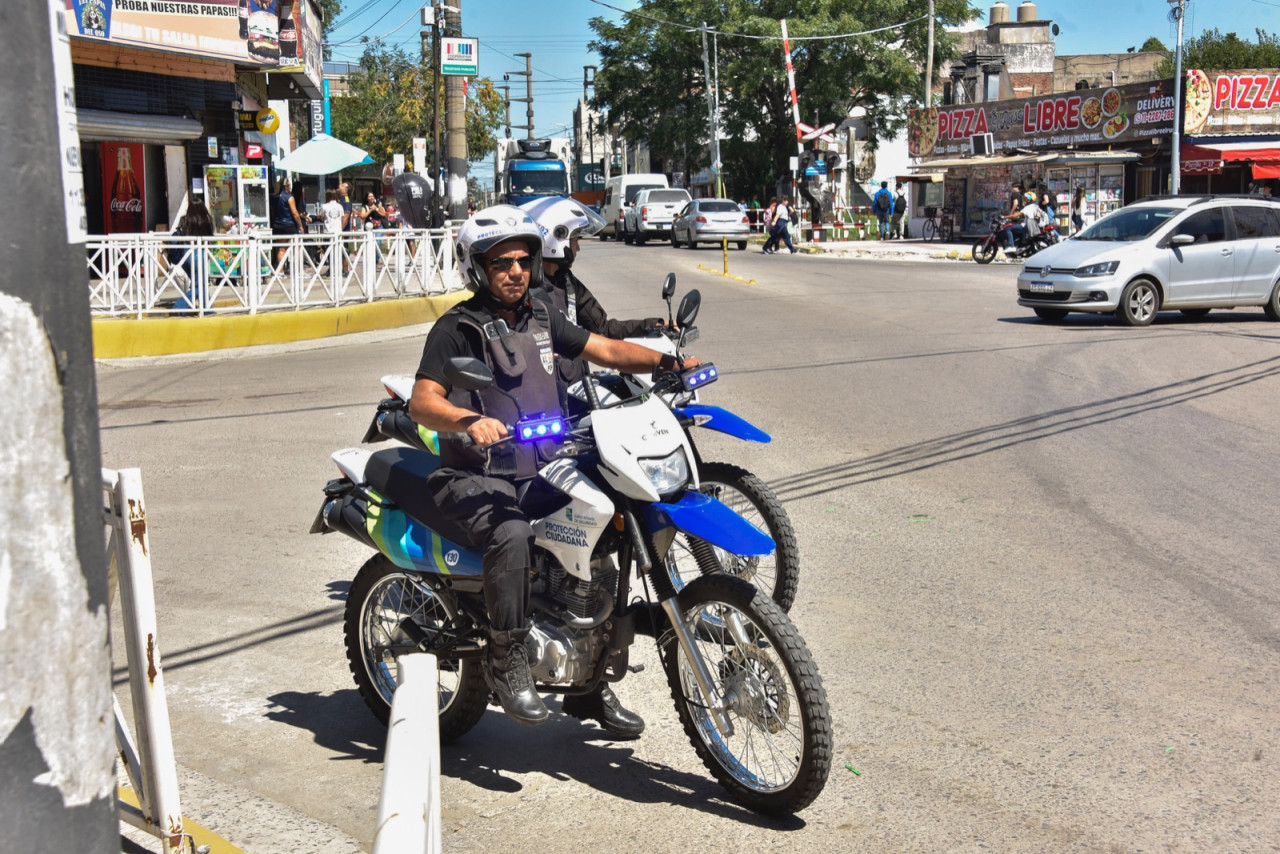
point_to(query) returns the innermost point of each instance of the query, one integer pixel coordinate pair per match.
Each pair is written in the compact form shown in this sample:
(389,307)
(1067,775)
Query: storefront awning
(1263,156)
(1195,160)
(922,177)
(104,125)
(1059,158)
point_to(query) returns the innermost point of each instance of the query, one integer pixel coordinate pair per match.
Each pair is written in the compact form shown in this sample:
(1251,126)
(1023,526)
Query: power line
(777,38)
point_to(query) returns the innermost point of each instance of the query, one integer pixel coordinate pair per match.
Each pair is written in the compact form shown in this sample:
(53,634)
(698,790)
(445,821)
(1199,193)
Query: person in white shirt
(1033,219)
(333,214)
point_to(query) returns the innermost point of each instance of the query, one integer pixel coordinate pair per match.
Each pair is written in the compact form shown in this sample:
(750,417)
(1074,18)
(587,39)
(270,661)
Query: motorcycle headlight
(667,474)
(1093,271)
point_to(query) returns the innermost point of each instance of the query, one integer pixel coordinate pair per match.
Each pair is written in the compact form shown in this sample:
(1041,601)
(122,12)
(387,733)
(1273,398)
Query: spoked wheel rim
(393,599)
(1141,303)
(766,749)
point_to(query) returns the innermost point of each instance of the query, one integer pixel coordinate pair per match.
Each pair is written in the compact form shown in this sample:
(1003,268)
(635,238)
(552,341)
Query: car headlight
(1092,271)
(667,474)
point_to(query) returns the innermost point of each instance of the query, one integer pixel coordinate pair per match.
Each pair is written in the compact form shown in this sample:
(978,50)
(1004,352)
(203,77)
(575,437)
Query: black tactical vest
(523,365)
(566,300)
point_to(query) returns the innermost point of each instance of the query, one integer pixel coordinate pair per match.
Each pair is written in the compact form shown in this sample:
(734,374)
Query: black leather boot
(508,677)
(603,706)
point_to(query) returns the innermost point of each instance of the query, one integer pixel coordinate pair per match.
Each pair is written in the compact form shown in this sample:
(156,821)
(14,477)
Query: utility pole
(456,125)
(58,752)
(506,99)
(712,119)
(435,117)
(528,99)
(928,64)
(1179,11)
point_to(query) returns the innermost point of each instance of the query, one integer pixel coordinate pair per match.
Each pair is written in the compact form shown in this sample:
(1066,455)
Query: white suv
(1189,253)
(651,214)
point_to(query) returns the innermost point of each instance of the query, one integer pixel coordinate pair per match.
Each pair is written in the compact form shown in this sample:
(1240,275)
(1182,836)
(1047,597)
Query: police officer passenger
(500,257)
(562,222)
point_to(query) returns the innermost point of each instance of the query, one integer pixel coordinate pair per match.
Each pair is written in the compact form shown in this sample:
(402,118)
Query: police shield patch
(544,351)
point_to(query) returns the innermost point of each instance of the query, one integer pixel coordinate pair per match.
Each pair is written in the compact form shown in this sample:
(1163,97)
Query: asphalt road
(1039,577)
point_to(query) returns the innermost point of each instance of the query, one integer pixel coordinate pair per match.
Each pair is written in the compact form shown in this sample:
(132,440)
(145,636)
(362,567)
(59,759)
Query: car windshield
(1128,224)
(635,188)
(718,207)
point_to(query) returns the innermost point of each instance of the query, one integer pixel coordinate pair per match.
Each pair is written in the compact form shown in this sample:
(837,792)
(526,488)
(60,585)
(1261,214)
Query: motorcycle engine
(560,654)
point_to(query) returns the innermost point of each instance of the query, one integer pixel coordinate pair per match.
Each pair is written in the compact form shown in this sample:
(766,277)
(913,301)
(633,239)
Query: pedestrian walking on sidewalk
(899,208)
(882,204)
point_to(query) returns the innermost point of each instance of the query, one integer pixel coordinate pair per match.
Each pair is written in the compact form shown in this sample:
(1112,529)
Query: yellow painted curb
(117,338)
(199,835)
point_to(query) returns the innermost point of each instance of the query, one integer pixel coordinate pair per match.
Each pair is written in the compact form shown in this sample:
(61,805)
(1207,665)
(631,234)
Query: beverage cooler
(237,195)
(1103,190)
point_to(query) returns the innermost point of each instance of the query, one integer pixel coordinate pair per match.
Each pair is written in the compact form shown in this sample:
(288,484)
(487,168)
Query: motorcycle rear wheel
(778,757)
(382,596)
(778,574)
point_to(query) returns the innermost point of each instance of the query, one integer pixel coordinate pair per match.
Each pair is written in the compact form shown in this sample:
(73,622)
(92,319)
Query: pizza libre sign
(1113,115)
(1232,102)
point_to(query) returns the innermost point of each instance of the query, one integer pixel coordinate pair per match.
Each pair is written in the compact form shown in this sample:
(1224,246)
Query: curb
(115,338)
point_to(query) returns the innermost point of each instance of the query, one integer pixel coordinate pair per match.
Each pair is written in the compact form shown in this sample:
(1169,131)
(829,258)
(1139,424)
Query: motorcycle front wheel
(777,574)
(381,598)
(778,755)
(984,251)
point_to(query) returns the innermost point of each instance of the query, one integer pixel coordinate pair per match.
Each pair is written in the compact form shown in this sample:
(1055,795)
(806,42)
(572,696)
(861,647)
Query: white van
(619,193)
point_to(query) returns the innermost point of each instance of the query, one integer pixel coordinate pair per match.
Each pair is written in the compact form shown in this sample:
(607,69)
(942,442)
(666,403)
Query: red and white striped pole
(791,81)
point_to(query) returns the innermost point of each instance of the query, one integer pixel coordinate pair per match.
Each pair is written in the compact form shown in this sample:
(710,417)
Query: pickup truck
(651,213)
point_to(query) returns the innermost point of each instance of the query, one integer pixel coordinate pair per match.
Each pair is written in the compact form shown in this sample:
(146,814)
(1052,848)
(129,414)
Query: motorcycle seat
(400,474)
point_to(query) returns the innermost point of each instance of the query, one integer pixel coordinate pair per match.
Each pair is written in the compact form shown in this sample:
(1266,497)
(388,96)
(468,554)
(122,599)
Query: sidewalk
(911,249)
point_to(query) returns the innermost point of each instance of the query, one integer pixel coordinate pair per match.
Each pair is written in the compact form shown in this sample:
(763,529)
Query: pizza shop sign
(1116,114)
(1232,102)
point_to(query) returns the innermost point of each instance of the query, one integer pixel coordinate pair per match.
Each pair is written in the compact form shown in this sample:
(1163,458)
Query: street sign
(810,132)
(460,57)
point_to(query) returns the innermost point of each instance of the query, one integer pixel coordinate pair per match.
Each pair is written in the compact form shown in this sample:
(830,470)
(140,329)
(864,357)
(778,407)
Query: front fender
(707,519)
(725,421)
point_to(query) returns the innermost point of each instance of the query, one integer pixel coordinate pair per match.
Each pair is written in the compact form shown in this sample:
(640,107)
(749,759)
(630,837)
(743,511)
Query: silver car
(710,221)
(1189,253)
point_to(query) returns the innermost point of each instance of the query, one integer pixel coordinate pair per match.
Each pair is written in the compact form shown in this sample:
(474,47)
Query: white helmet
(560,220)
(485,229)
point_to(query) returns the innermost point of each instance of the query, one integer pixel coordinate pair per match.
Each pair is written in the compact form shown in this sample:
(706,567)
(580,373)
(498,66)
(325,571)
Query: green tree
(652,84)
(388,102)
(1213,51)
(1153,45)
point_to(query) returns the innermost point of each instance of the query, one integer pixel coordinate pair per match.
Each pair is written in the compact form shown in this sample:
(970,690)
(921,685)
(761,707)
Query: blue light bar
(537,429)
(699,376)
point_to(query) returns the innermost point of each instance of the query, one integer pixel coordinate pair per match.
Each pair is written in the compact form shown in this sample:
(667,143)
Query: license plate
(1041,287)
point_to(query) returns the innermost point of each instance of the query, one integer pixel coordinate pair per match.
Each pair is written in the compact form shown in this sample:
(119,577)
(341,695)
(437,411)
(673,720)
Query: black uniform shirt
(448,338)
(591,314)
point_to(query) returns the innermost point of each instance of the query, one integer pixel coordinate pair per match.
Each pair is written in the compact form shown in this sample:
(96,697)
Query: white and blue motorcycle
(619,488)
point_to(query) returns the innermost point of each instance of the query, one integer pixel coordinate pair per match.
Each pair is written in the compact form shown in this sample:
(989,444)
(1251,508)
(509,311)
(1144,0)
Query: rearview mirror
(688,308)
(669,286)
(1182,240)
(468,374)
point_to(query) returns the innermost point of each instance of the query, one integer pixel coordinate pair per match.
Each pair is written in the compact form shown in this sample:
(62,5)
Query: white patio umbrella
(323,155)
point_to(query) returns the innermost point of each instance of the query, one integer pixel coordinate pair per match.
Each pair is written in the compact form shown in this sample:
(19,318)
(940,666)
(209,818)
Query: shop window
(1205,226)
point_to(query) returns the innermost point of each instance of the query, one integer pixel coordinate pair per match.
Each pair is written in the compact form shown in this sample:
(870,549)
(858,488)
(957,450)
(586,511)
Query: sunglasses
(504,263)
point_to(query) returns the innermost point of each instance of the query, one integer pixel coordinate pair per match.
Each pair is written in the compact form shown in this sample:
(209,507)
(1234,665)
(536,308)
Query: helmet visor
(595,222)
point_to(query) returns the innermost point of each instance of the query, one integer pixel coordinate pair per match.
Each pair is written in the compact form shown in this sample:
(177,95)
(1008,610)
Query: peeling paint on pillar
(53,646)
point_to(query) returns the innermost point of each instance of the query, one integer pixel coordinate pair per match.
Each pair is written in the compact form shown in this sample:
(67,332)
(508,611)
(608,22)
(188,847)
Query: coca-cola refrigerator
(124,182)
(237,197)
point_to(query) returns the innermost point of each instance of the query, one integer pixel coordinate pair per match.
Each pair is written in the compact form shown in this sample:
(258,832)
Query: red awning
(1195,160)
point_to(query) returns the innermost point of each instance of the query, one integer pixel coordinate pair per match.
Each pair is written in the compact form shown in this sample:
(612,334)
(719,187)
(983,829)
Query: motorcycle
(777,574)
(985,248)
(615,489)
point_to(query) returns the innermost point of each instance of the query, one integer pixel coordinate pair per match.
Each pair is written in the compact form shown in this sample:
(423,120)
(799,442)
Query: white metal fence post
(157,788)
(409,809)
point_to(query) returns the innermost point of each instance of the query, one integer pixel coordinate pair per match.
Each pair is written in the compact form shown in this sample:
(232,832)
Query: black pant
(485,515)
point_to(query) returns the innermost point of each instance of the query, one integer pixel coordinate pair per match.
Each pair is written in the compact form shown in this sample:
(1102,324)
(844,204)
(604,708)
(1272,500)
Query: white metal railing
(133,275)
(409,809)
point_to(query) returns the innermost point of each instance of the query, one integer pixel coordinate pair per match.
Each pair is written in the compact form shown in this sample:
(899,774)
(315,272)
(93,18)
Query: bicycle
(942,229)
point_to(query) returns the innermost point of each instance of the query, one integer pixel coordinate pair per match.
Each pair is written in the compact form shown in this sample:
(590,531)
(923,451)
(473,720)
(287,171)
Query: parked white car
(710,221)
(1186,253)
(651,214)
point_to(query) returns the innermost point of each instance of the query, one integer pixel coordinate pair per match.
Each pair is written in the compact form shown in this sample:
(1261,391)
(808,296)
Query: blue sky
(556,33)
